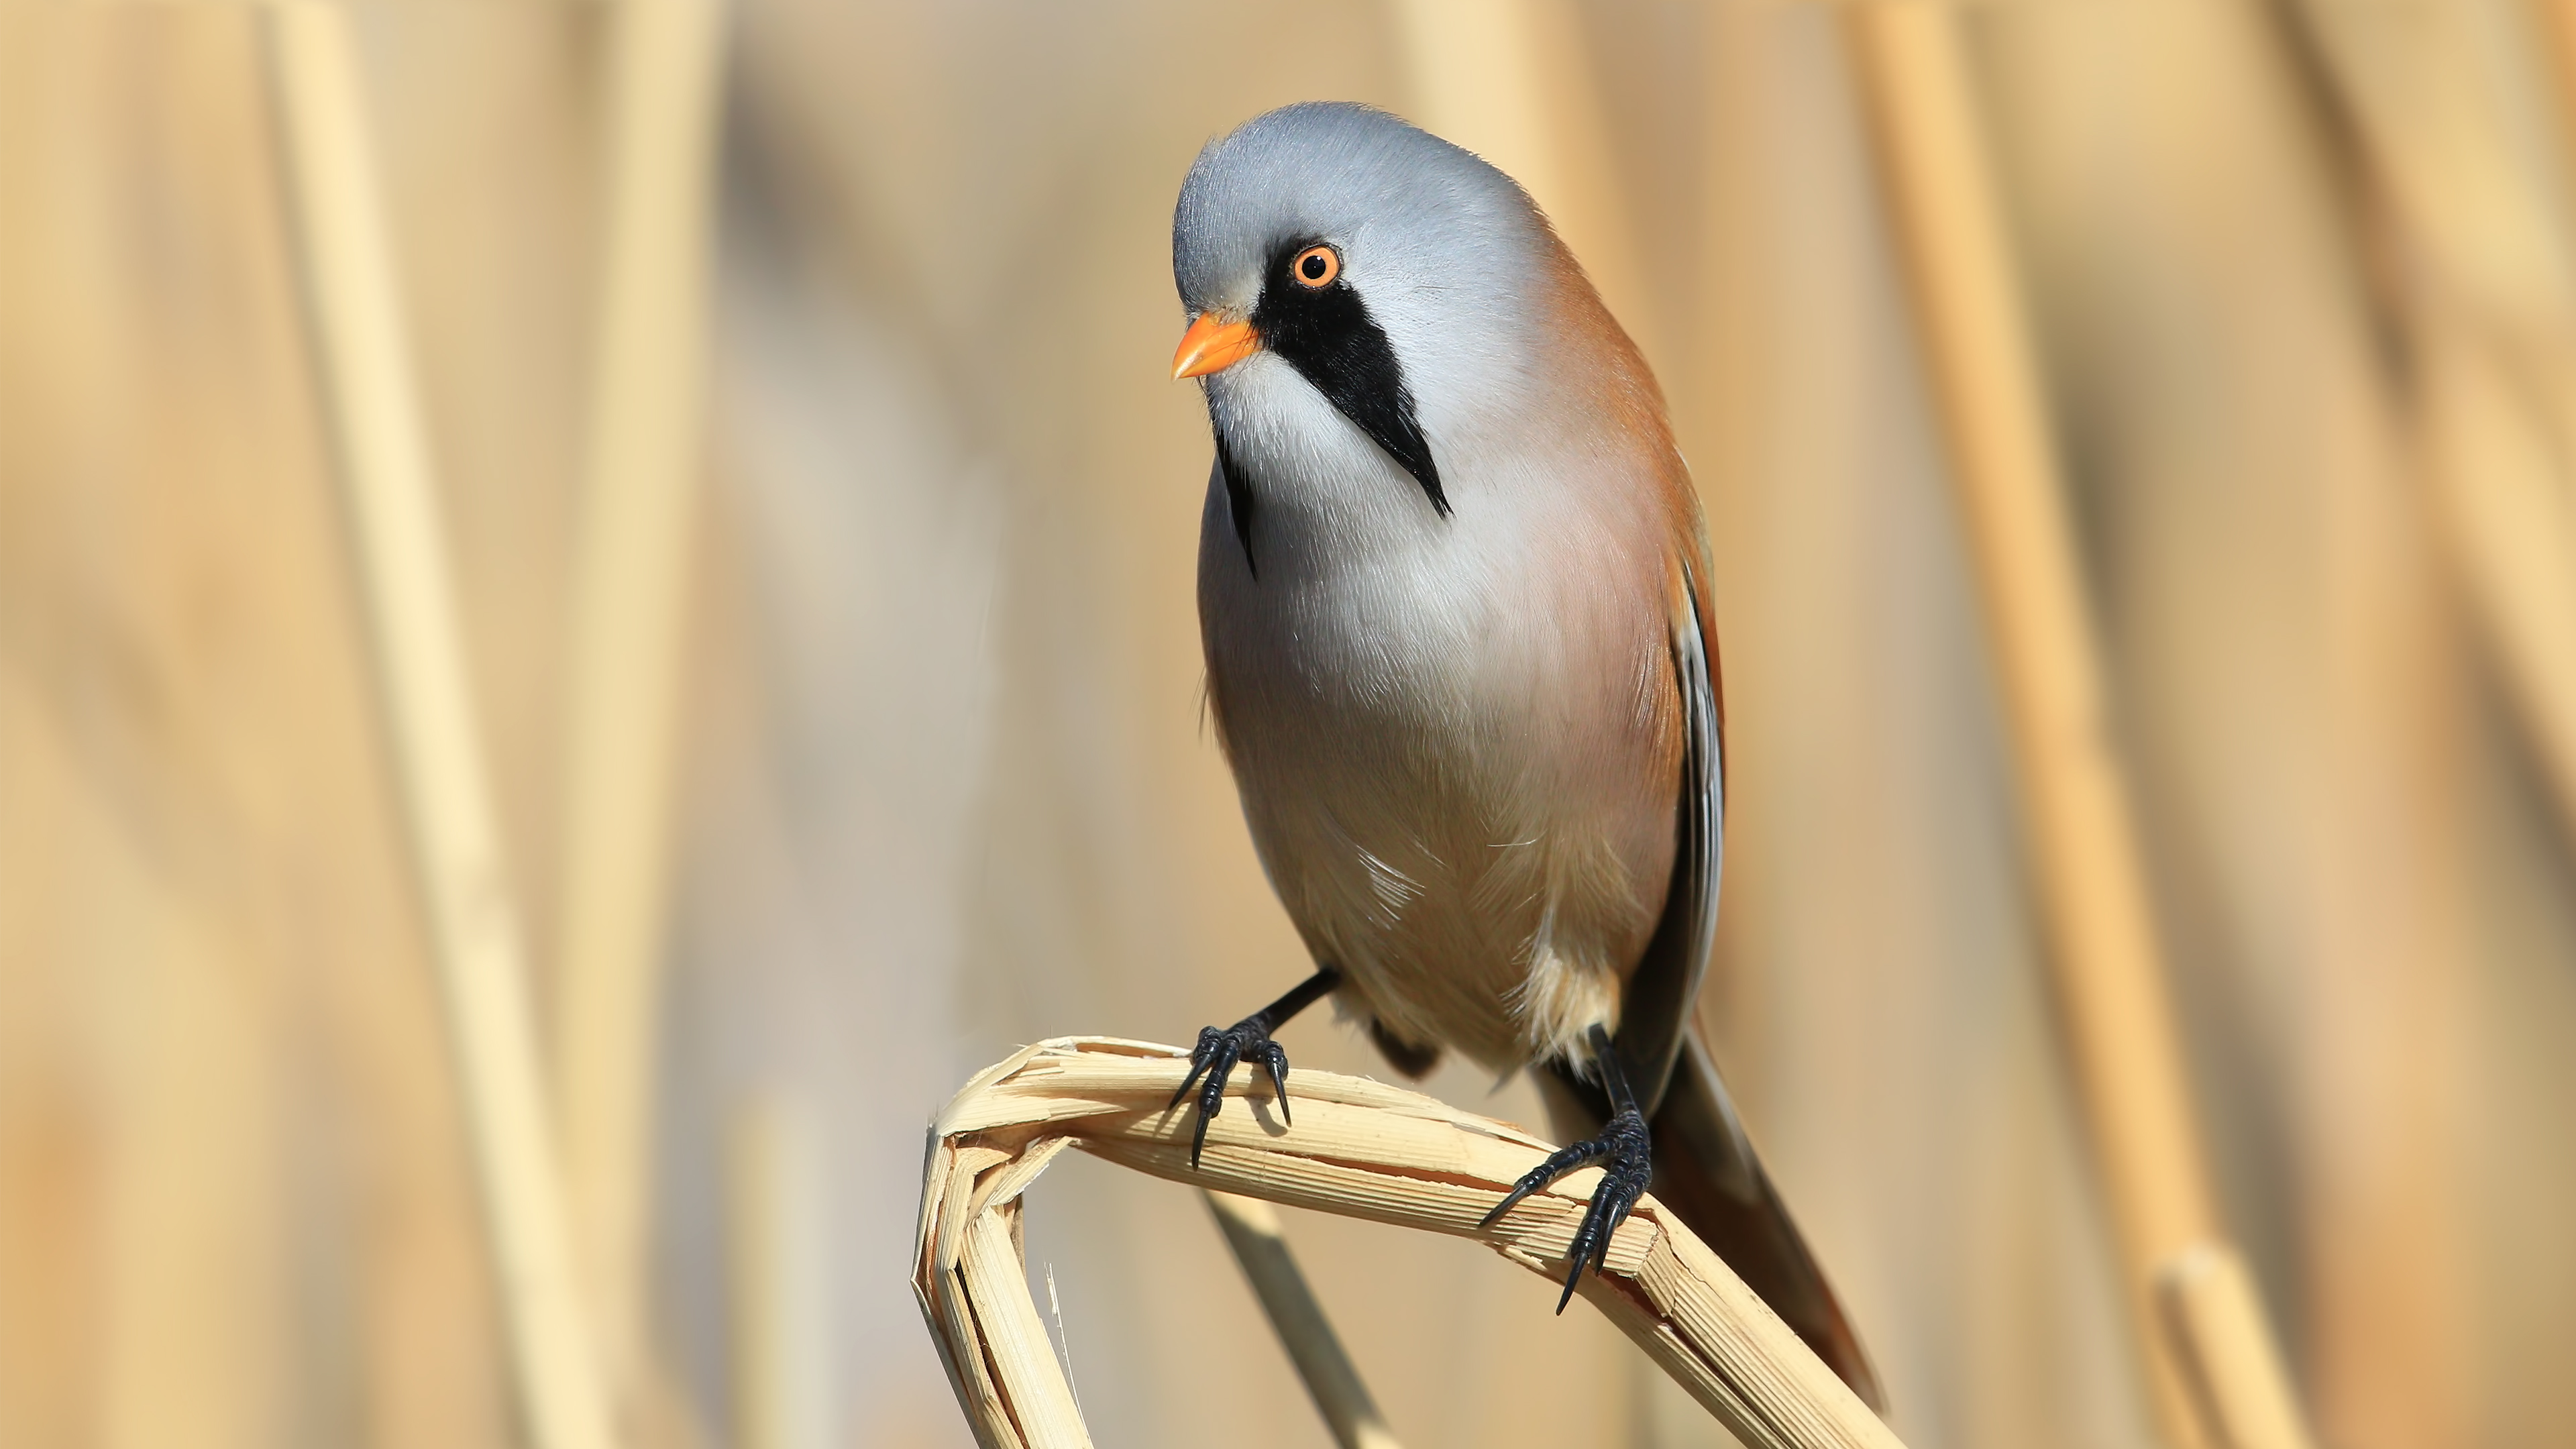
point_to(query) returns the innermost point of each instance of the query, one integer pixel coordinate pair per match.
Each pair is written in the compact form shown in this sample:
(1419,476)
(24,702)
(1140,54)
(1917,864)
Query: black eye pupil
(1313,266)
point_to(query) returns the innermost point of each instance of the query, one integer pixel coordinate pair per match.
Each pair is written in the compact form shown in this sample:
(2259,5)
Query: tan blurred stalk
(2080,828)
(629,601)
(2213,1317)
(1359,1149)
(2477,275)
(1260,1247)
(2435,136)
(393,507)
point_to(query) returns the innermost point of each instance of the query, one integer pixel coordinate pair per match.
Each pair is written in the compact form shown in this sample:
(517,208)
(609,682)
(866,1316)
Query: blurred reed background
(827,638)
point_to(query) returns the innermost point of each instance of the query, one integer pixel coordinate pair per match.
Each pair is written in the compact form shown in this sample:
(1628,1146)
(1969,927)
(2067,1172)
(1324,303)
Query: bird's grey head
(1335,248)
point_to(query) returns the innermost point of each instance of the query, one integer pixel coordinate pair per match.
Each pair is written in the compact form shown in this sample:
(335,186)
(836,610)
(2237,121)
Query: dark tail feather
(1705,1170)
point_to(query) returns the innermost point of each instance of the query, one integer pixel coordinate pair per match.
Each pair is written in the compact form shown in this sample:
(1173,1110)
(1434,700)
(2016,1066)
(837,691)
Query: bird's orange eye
(1316,267)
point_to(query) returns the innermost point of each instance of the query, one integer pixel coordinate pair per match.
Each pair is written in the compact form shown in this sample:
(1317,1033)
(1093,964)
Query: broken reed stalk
(391,494)
(1360,1149)
(623,640)
(1260,1248)
(2218,1378)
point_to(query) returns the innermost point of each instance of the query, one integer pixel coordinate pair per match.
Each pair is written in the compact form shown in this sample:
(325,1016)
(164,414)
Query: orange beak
(1213,346)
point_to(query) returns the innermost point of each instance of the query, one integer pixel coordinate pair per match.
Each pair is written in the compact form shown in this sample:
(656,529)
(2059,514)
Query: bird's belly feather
(1457,778)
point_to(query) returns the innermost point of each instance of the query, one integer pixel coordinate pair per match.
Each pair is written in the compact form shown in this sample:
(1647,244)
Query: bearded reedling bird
(1453,590)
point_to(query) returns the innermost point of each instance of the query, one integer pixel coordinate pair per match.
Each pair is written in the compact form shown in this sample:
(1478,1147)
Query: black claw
(1558,1164)
(1218,1053)
(1199,1057)
(1229,1051)
(1624,1152)
(1274,1058)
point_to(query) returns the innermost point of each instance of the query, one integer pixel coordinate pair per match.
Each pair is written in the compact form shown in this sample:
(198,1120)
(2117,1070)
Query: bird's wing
(1655,1009)
(1705,1165)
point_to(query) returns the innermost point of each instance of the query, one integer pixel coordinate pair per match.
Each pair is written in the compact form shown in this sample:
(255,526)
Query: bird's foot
(1624,1151)
(1219,1050)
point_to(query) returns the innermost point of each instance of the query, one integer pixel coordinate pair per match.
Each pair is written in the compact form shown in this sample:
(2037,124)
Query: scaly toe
(1212,1062)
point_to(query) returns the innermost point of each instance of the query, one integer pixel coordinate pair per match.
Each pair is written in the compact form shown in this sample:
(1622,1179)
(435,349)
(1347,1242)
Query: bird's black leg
(1219,1050)
(1624,1152)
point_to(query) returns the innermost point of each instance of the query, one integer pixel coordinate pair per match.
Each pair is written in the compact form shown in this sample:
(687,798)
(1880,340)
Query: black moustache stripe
(1326,333)
(1238,500)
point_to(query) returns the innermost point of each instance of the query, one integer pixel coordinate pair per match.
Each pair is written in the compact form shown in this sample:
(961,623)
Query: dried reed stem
(392,500)
(2496,434)
(2472,272)
(1252,1230)
(2556,22)
(1359,1148)
(2215,1320)
(623,643)
(2081,839)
